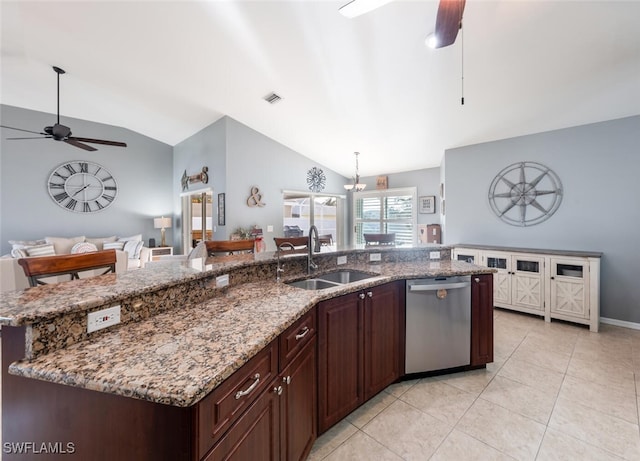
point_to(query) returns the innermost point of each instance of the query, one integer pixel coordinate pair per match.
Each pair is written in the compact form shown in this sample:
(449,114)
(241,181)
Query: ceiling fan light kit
(357,8)
(63,133)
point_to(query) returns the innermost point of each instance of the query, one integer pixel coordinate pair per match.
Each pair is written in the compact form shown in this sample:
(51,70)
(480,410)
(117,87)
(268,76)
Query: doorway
(197,212)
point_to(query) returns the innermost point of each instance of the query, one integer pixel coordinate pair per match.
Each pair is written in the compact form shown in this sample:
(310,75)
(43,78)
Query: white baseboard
(620,323)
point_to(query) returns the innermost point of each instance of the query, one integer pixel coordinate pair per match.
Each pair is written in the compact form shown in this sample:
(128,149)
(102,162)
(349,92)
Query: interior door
(197,212)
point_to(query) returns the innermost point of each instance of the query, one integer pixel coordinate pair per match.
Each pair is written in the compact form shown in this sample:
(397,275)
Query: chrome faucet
(313,246)
(279,269)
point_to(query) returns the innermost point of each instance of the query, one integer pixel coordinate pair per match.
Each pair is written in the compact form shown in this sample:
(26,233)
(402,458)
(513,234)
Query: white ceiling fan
(448,20)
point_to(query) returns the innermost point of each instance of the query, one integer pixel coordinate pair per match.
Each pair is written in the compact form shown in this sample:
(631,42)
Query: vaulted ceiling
(368,84)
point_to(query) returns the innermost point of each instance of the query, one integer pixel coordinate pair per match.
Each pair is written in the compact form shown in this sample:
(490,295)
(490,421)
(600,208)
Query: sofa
(130,254)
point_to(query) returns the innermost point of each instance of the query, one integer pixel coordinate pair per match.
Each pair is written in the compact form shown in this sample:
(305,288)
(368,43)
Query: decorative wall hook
(202,177)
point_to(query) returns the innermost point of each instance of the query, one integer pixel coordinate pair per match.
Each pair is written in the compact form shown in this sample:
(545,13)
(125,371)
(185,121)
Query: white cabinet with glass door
(518,282)
(467,255)
(569,288)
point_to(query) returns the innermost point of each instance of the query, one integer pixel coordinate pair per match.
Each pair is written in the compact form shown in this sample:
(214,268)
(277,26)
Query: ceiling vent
(272,98)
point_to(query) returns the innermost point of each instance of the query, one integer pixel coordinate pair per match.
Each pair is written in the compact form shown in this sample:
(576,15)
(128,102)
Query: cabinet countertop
(179,356)
(575,253)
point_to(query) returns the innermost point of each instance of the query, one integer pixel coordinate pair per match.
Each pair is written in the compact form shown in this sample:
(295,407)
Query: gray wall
(246,158)
(598,165)
(142,170)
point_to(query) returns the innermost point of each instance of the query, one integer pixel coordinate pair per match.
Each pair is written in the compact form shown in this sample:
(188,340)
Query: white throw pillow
(83,247)
(18,246)
(113,246)
(137,238)
(41,250)
(100,241)
(63,245)
(133,248)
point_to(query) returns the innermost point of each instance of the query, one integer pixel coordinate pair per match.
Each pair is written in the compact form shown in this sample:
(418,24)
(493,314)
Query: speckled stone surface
(580,254)
(178,356)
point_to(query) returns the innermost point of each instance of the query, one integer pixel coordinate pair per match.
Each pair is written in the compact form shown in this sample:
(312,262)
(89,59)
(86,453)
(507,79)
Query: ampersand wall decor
(255,197)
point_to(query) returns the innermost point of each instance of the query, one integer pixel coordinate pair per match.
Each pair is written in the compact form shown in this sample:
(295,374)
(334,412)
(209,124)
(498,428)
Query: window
(386,211)
(301,210)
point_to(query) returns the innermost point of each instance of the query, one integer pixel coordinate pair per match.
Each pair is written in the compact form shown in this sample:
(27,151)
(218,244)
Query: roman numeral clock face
(82,187)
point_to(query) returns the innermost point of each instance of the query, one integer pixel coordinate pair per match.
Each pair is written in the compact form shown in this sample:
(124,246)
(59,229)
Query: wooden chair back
(380,239)
(229,246)
(39,267)
(292,244)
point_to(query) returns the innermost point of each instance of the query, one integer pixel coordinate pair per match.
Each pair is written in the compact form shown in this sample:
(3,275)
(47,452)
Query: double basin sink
(331,280)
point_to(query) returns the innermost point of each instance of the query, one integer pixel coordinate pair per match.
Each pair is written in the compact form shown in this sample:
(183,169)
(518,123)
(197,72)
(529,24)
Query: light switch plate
(269,228)
(102,319)
(375,257)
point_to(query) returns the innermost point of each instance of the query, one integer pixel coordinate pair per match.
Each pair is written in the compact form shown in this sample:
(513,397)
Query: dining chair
(40,267)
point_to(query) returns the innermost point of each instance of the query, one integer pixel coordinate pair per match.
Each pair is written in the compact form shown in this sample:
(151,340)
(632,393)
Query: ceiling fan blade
(75,143)
(99,141)
(448,21)
(39,137)
(20,129)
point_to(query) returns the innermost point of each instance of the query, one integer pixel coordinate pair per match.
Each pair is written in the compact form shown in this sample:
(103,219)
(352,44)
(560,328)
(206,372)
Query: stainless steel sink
(331,280)
(346,276)
(313,284)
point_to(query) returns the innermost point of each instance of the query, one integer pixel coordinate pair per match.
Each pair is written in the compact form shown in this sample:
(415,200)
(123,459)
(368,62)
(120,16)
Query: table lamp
(162,223)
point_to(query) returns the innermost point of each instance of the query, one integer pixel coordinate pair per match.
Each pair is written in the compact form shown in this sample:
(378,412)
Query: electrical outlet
(375,257)
(342,260)
(269,228)
(222,280)
(434,255)
(103,319)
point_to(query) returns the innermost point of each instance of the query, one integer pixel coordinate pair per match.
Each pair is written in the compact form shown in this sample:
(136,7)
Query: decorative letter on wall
(255,197)
(525,194)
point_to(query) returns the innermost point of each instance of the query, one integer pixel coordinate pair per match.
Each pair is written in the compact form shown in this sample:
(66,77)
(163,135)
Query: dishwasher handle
(438,286)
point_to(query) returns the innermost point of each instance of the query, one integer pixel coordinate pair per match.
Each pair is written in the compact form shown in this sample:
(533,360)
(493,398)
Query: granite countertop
(179,356)
(546,251)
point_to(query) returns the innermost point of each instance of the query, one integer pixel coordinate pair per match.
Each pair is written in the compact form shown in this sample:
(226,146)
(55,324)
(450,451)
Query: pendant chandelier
(357,186)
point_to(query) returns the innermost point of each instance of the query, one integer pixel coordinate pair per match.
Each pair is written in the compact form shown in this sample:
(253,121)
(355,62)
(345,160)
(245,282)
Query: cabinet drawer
(225,404)
(294,338)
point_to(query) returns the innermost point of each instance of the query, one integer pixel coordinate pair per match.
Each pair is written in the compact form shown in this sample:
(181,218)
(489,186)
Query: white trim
(620,323)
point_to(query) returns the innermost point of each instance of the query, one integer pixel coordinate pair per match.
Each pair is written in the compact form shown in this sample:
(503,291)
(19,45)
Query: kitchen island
(181,338)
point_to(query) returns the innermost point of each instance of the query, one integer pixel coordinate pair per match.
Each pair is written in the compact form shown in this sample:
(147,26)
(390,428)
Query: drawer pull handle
(370,294)
(250,388)
(277,390)
(286,379)
(477,280)
(361,296)
(304,333)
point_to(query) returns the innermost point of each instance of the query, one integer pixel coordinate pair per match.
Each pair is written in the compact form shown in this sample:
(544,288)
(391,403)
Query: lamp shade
(161,223)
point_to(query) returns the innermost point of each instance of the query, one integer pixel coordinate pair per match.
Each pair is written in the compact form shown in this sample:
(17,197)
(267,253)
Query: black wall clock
(316,179)
(82,187)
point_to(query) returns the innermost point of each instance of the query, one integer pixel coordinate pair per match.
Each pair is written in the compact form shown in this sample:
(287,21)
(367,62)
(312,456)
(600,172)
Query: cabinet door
(384,326)
(255,435)
(570,287)
(339,349)
(481,319)
(466,255)
(527,283)
(501,279)
(298,411)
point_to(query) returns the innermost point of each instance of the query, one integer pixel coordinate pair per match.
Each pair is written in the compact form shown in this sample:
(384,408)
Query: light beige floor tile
(553,341)
(407,431)
(504,430)
(605,398)
(473,381)
(445,402)
(557,446)
(361,447)
(526,400)
(608,374)
(459,446)
(397,389)
(369,410)
(604,431)
(532,375)
(556,361)
(331,439)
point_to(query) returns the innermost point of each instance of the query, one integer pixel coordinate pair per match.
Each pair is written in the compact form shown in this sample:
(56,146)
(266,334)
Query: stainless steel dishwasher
(438,323)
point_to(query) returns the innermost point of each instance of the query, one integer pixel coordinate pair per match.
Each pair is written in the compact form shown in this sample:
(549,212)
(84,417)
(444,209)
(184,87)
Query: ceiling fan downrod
(58,71)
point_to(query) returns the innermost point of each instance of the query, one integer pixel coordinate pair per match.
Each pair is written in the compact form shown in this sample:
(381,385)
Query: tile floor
(555,392)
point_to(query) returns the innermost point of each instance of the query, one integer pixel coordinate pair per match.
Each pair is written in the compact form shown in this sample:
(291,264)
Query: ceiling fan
(448,20)
(60,132)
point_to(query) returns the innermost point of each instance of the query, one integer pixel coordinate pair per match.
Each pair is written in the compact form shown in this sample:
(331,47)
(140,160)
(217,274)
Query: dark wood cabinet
(481,319)
(360,349)
(298,405)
